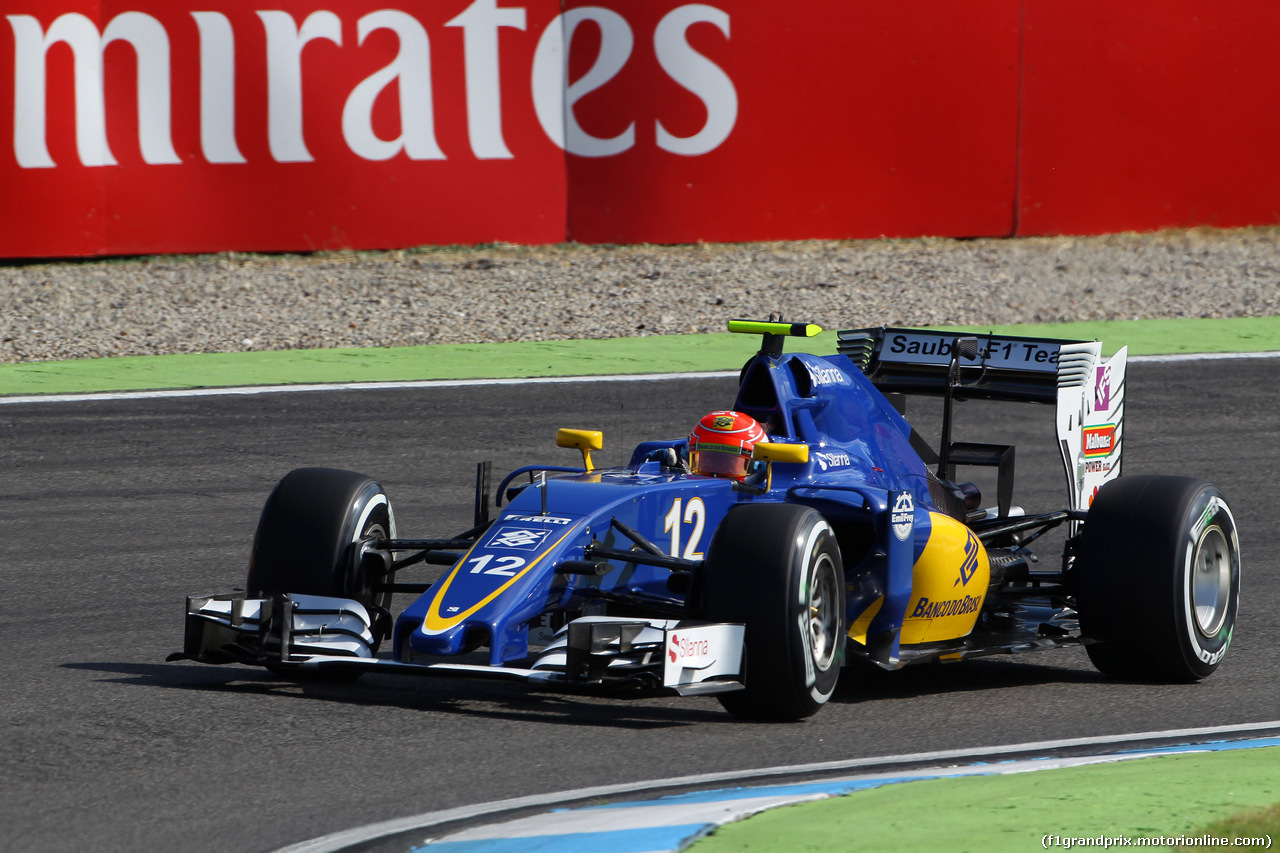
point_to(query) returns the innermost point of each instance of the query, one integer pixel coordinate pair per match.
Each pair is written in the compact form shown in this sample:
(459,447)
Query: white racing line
(739,802)
(249,390)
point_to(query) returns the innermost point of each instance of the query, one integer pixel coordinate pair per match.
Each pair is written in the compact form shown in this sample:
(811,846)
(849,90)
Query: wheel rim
(824,618)
(373,531)
(1211,581)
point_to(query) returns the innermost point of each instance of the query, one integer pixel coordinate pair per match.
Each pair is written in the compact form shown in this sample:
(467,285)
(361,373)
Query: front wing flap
(598,653)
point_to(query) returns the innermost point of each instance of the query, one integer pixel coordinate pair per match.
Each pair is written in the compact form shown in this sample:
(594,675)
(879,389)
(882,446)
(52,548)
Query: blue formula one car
(804,527)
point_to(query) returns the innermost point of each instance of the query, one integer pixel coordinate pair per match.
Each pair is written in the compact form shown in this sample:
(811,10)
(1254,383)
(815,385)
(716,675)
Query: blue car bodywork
(860,452)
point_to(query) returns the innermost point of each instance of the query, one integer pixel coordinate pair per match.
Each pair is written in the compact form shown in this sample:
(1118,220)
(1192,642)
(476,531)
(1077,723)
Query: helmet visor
(719,463)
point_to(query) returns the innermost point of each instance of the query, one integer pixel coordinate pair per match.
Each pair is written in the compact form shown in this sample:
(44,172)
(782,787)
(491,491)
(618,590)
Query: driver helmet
(721,443)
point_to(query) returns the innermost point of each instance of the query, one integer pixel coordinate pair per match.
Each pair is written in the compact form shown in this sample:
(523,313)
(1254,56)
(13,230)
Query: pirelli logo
(1099,440)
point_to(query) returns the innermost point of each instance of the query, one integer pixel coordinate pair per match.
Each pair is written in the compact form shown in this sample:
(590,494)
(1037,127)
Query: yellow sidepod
(948,584)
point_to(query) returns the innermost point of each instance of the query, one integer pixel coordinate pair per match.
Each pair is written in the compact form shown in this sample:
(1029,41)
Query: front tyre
(1158,578)
(777,569)
(313,537)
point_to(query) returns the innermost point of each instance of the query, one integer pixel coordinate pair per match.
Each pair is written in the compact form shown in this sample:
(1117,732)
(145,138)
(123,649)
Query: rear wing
(1087,391)
(916,361)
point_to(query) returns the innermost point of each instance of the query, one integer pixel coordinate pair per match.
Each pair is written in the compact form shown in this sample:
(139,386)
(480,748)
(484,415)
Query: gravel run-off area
(231,302)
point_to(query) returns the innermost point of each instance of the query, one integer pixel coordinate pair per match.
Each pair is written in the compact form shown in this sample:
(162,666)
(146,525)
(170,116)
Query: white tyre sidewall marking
(1215,510)
(806,580)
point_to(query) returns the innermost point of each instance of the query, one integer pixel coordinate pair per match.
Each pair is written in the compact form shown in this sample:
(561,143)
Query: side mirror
(585,440)
(768,451)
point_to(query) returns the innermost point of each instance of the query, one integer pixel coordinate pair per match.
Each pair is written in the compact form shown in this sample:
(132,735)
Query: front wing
(316,634)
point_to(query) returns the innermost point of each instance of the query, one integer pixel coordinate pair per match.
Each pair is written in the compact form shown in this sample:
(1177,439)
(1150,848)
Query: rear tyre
(1158,578)
(313,537)
(776,568)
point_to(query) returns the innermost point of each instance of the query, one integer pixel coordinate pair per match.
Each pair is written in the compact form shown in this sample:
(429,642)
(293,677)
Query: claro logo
(406,81)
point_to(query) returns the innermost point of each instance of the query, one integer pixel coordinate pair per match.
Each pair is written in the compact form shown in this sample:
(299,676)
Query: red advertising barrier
(852,120)
(294,127)
(148,126)
(1149,114)
(140,126)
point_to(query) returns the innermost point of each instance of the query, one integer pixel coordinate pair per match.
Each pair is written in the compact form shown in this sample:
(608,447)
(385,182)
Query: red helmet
(720,445)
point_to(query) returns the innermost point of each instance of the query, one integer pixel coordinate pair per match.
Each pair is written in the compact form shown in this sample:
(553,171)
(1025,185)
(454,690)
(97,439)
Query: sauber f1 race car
(755,562)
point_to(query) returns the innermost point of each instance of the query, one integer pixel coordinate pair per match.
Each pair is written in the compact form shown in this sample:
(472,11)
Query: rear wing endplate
(1087,391)
(1090,417)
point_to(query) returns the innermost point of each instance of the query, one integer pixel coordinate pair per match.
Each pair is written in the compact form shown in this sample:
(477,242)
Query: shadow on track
(861,682)
(485,700)
(475,699)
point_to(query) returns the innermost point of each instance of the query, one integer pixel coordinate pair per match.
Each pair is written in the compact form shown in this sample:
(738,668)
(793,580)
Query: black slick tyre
(313,537)
(1158,578)
(777,569)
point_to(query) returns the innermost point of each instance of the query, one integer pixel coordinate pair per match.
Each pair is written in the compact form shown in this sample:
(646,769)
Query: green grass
(1166,795)
(660,353)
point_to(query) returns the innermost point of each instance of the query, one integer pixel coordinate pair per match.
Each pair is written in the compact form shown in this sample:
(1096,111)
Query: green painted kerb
(664,353)
(1167,795)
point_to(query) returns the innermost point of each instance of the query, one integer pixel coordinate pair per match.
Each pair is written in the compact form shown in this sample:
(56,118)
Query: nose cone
(494,589)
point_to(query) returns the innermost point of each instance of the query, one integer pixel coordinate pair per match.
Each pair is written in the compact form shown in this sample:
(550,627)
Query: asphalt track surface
(114,511)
